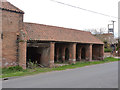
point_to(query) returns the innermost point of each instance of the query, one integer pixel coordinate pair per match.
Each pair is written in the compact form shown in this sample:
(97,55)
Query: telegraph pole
(111,29)
(113,26)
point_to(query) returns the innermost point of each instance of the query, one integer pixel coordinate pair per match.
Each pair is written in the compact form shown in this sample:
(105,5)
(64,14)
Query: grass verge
(18,71)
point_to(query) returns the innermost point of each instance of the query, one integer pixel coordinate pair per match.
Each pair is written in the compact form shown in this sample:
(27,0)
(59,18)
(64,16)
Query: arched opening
(33,55)
(56,55)
(66,54)
(83,53)
(77,52)
(60,55)
(95,52)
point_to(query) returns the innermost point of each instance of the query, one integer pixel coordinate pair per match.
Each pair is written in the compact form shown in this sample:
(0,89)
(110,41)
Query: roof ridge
(56,26)
(10,7)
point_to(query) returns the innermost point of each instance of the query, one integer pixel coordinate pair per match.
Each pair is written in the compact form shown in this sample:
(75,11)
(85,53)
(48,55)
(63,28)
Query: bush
(15,68)
(12,69)
(117,48)
(107,50)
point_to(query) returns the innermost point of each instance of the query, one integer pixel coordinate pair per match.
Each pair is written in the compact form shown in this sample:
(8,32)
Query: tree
(97,31)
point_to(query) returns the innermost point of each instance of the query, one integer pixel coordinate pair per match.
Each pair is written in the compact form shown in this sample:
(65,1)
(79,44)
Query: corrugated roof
(53,33)
(10,7)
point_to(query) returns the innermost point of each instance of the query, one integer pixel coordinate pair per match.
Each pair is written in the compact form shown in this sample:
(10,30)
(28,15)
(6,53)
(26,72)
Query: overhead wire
(84,9)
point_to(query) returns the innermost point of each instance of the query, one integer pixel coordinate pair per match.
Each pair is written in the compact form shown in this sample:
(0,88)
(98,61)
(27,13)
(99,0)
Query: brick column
(79,53)
(72,53)
(52,48)
(22,54)
(89,52)
(22,49)
(101,52)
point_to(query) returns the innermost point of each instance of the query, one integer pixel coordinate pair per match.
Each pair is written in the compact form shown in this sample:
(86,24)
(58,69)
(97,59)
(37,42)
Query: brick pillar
(72,53)
(101,52)
(79,53)
(22,54)
(22,49)
(63,54)
(52,48)
(57,54)
(89,52)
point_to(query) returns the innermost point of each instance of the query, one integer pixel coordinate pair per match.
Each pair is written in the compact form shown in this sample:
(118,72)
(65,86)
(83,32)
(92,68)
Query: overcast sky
(52,13)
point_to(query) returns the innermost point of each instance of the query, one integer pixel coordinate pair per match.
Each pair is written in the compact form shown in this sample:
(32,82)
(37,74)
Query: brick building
(43,44)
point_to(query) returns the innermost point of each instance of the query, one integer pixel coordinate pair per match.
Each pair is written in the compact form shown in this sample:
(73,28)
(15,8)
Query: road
(95,76)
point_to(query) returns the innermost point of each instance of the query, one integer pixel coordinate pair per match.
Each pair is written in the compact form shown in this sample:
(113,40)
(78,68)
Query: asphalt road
(95,76)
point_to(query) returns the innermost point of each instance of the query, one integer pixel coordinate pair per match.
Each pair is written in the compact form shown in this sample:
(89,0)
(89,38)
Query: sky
(52,13)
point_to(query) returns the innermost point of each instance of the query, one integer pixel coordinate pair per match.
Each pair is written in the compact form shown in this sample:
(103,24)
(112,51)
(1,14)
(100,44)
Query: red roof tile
(53,33)
(10,7)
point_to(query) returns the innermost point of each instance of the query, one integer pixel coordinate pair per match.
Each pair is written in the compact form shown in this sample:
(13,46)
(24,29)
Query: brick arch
(83,53)
(66,54)
(60,54)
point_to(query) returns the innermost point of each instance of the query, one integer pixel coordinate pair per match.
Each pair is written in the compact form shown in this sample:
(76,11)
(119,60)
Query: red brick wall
(89,52)
(11,24)
(98,52)
(95,52)
(51,57)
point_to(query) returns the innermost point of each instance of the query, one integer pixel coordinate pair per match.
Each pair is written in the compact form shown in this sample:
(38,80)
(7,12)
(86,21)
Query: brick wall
(11,24)
(98,52)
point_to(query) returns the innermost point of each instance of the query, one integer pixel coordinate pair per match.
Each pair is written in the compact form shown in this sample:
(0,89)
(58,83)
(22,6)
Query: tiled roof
(104,34)
(53,33)
(10,7)
(109,34)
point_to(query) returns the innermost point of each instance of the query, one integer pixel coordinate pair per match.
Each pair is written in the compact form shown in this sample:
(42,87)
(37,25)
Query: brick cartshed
(43,44)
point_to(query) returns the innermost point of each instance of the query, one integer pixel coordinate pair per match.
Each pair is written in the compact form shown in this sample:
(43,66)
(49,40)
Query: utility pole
(111,29)
(113,26)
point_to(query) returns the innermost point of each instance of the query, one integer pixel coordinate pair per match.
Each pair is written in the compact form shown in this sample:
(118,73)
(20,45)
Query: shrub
(117,48)
(73,64)
(12,69)
(107,50)
(15,68)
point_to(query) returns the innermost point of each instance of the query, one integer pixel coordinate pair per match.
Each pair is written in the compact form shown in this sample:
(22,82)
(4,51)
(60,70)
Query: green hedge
(107,50)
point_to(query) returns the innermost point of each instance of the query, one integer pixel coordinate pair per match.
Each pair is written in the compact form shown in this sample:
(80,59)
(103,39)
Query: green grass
(18,71)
